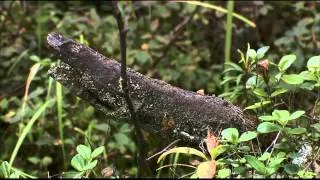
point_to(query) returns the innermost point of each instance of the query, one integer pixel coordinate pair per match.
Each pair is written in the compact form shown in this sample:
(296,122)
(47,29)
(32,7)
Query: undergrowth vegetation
(261,56)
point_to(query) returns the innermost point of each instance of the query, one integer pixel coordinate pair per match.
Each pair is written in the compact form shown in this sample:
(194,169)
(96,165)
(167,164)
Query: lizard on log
(162,109)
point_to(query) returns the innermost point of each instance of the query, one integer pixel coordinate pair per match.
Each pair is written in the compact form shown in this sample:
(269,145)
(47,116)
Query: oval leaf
(252,54)
(230,134)
(224,173)
(297,131)
(296,115)
(291,169)
(267,127)
(91,165)
(278,91)
(247,136)
(97,151)
(293,79)
(314,63)
(286,61)
(262,51)
(84,151)
(78,162)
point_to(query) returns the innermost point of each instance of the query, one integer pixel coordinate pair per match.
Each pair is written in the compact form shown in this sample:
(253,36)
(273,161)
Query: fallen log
(161,108)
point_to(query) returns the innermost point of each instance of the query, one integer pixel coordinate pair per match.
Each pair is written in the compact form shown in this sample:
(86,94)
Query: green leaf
(271,170)
(281,114)
(275,162)
(142,57)
(281,154)
(297,130)
(264,156)
(286,61)
(121,138)
(34,160)
(296,115)
(252,54)
(291,169)
(91,165)
(97,151)
(262,51)
(256,164)
(267,127)
(224,173)
(307,85)
(183,150)
(78,162)
(230,134)
(247,136)
(308,75)
(260,92)
(278,91)
(251,82)
(84,151)
(5,169)
(278,76)
(194,176)
(257,105)
(215,152)
(268,118)
(314,63)
(233,66)
(293,79)
(316,126)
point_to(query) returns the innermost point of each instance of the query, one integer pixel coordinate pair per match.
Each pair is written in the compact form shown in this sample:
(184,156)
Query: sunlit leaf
(262,51)
(247,136)
(78,162)
(183,150)
(297,114)
(267,127)
(84,151)
(230,134)
(286,61)
(257,105)
(224,173)
(294,79)
(278,92)
(313,63)
(97,151)
(206,169)
(256,164)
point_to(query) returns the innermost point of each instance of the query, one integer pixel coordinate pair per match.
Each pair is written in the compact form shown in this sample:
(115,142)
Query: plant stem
(59,111)
(142,168)
(227,49)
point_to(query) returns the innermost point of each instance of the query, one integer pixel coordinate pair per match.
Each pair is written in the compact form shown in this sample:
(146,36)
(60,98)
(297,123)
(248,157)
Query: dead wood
(161,108)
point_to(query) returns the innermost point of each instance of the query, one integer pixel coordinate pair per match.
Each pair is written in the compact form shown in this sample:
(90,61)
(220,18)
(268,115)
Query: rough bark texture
(161,108)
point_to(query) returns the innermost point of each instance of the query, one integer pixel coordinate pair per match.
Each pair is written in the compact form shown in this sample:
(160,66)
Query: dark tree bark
(161,108)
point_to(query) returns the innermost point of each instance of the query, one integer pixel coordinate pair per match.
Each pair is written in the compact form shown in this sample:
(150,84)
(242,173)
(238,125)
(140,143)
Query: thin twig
(164,149)
(169,165)
(273,143)
(142,168)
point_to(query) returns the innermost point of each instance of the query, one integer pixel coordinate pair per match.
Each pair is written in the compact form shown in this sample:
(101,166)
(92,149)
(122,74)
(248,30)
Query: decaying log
(161,108)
